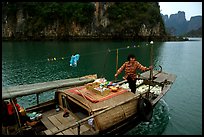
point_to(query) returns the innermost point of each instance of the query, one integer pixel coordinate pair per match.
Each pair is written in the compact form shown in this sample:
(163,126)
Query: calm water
(178,113)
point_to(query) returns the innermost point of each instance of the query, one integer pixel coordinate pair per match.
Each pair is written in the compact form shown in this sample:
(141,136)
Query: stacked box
(95,87)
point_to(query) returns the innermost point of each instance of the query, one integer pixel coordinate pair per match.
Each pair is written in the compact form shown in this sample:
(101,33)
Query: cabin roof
(108,102)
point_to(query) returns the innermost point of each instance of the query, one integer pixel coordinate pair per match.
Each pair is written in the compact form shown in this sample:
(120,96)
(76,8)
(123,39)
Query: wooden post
(78,128)
(151,60)
(37,95)
(116,62)
(151,63)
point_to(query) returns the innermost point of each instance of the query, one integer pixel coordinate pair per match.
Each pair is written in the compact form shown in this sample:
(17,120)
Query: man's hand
(150,67)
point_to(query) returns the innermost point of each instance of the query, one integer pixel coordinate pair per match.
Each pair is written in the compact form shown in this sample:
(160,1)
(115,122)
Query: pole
(151,63)
(116,62)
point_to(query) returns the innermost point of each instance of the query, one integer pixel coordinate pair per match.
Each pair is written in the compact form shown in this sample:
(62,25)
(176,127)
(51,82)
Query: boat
(90,105)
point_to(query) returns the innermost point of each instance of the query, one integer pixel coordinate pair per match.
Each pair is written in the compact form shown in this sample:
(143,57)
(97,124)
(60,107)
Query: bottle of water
(57,108)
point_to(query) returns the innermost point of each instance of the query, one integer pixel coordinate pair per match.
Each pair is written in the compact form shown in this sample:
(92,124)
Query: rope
(92,53)
(55,59)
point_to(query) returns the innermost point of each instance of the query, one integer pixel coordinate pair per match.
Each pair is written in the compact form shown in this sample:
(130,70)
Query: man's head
(131,57)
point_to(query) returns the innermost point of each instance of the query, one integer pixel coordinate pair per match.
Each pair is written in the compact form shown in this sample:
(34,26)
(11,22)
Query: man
(130,68)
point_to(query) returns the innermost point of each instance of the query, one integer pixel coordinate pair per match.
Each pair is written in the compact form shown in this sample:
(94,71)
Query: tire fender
(144,109)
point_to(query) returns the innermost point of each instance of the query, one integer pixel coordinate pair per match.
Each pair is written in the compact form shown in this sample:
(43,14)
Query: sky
(190,8)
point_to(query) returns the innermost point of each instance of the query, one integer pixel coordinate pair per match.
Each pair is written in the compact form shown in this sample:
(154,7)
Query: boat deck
(159,77)
(55,121)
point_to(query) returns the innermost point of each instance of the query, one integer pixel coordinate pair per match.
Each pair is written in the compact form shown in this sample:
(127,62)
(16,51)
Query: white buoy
(151,42)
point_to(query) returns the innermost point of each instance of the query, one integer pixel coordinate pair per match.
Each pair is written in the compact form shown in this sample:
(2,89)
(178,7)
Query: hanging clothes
(74,59)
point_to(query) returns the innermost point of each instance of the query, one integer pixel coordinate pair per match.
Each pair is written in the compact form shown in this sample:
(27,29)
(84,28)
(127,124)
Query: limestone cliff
(20,24)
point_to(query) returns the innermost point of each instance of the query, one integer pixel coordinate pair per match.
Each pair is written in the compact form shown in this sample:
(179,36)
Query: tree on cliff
(70,19)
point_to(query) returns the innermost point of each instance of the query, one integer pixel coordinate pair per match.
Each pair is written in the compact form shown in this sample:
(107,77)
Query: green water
(180,111)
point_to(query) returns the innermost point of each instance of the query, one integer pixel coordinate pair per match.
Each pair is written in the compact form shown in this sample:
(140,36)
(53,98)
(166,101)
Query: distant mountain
(194,23)
(176,24)
(194,33)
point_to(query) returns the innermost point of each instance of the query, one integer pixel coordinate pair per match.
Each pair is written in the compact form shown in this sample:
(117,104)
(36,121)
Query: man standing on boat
(130,68)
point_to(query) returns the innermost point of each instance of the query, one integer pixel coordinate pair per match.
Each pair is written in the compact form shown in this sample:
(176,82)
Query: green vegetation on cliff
(81,19)
(130,16)
(40,14)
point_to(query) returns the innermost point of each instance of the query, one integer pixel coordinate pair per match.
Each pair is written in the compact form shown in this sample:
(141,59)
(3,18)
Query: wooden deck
(55,121)
(159,76)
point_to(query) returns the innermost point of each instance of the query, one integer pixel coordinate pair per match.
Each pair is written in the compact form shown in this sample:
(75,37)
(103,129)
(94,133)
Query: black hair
(130,56)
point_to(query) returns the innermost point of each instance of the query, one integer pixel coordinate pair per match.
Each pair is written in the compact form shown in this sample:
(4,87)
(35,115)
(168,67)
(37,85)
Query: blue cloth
(73,60)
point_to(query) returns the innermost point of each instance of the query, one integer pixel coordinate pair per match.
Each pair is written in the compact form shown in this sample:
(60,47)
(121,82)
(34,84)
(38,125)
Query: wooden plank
(55,122)
(68,132)
(48,132)
(61,126)
(63,120)
(48,124)
(84,128)
(161,78)
(74,130)
(164,91)
(66,121)
(59,133)
(89,132)
(171,78)
(146,74)
(158,75)
(53,129)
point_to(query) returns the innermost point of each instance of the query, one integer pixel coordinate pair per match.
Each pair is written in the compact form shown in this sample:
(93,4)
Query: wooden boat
(81,108)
